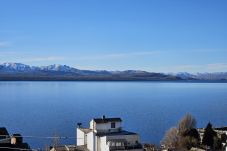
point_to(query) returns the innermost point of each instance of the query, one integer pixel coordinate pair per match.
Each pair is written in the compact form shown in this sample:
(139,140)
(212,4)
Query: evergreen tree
(208,137)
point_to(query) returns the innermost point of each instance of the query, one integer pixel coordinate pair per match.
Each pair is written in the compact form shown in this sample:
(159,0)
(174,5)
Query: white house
(106,134)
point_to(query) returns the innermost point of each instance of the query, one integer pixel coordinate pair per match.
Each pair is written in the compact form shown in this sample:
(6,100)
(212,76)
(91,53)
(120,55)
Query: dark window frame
(113,125)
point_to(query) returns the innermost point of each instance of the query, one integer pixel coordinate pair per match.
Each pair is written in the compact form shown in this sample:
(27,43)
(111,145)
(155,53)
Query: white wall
(80,135)
(95,143)
(103,144)
(107,126)
(92,124)
(91,139)
(104,126)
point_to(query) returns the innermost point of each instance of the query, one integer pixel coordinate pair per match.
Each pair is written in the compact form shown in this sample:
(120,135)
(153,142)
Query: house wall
(92,124)
(131,139)
(80,135)
(95,143)
(103,144)
(105,126)
(91,141)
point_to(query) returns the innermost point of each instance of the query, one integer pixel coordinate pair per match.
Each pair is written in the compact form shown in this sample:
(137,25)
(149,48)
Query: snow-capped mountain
(201,76)
(15,67)
(212,76)
(183,75)
(22,67)
(55,67)
(63,72)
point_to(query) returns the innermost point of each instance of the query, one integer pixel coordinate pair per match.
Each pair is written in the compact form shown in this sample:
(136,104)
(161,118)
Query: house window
(113,125)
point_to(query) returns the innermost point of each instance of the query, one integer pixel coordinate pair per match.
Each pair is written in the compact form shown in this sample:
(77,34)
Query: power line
(18,148)
(35,137)
(44,137)
(48,137)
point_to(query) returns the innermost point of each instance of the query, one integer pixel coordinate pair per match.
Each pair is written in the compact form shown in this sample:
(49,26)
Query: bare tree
(188,122)
(171,138)
(46,147)
(184,136)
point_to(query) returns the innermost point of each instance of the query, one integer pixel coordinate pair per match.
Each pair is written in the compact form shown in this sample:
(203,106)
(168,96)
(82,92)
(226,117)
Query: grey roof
(71,148)
(115,133)
(106,120)
(85,130)
(221,128)
(81,148)
(3,132)
(60,148)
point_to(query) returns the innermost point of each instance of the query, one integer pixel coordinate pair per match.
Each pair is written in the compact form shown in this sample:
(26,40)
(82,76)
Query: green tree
(188,142)
(217,143)
(194,135)
(223,138)
(208,137)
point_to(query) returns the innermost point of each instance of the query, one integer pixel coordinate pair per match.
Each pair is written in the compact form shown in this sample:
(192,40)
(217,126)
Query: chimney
(103,117)
(79,125)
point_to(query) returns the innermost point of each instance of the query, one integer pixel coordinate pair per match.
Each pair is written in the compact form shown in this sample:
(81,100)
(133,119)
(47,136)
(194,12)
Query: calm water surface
(149,108)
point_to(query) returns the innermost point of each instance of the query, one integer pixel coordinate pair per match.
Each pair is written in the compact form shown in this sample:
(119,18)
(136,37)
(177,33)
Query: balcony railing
(131,147)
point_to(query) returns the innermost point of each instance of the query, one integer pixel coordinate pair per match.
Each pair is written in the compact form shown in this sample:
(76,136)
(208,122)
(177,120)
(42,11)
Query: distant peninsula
(22,72)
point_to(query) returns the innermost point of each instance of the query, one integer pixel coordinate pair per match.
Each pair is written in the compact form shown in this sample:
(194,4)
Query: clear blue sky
(152,35)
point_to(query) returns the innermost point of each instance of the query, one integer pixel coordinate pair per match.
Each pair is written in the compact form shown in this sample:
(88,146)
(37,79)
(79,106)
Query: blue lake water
(148,108)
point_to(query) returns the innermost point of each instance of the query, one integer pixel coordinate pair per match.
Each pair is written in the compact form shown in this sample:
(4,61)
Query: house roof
(106,120)
(3,132)
(10,147)
(221,128)
(70,148)
(115,133)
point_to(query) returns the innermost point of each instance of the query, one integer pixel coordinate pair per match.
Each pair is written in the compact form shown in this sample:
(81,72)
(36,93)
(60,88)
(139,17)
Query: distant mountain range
(201,76)
(18,71)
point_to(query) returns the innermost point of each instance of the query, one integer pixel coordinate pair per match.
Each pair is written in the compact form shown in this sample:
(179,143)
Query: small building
(106,134)
(4,136)
(14,142)
(197,149)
